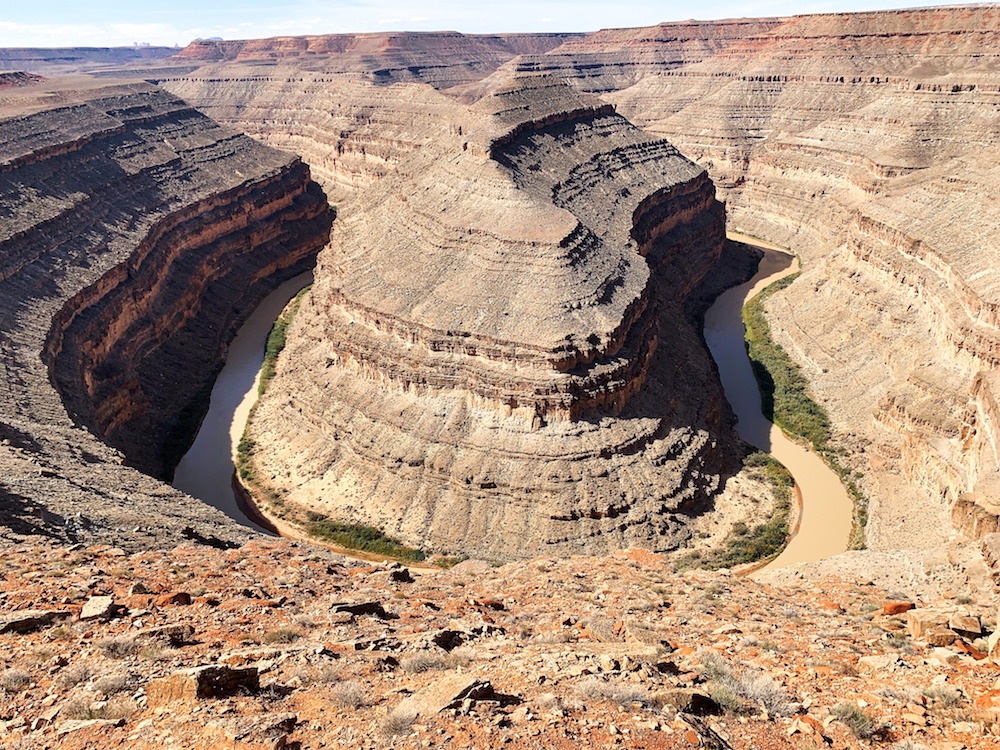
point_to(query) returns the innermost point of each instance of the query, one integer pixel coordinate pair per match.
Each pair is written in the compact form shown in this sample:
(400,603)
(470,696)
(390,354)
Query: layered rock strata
(865,142)
(494,359)
(441,58)
(136,235)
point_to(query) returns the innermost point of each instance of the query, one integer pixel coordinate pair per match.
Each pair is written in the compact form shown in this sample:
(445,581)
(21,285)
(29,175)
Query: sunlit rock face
(495,358)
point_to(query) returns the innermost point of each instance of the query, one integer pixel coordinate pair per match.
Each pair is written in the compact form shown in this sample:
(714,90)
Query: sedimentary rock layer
(867,143)
(494,359)
(443,58)
(135,236)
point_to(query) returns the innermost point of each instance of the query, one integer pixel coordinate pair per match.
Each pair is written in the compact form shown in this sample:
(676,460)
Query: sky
(104,23)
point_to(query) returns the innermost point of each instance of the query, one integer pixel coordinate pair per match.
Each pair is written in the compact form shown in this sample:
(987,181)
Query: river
(206,471)
(826,508)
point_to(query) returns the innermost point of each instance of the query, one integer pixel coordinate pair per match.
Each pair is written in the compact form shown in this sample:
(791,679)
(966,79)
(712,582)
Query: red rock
(179,598)
(897,608)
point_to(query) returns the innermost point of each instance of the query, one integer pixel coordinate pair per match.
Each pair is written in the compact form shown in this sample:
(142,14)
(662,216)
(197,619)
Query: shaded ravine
(826,509)
(206,471)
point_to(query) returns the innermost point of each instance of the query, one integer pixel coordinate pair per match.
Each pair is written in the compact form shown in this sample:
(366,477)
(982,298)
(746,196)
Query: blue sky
(65,23)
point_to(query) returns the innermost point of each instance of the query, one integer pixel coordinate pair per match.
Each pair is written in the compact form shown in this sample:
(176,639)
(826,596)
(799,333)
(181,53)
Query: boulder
(209,681)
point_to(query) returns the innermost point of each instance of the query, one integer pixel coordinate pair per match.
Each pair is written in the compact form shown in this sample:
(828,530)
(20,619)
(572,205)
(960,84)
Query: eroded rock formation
(135,235)
(495,358)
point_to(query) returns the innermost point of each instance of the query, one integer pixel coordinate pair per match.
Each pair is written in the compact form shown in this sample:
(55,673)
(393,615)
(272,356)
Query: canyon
(864,159)
(137,234)
(514,238)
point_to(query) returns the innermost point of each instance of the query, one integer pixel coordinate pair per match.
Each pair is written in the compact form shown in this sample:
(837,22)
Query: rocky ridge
(136,235)
(276,644)
(507,388)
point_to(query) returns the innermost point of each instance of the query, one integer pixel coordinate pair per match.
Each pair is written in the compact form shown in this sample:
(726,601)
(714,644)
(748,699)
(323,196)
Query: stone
(27,620)
(688,700)
(195,683)
(897,608)
(447,692)
(176,598)
(98,607)
(921,621)
(360,608)
(176,634)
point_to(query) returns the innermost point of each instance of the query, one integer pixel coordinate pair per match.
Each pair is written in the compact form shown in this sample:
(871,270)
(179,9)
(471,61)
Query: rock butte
(495,358)
(866,142)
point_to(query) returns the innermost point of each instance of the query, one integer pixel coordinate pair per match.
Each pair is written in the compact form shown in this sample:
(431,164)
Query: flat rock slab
(98,606)
(27,620)
(446,692)
(209,681)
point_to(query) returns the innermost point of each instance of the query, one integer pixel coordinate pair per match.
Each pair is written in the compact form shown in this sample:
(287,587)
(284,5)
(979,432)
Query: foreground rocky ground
(278,644)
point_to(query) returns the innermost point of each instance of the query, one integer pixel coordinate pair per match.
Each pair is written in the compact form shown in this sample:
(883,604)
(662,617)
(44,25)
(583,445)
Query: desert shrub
(282,635)
(739,692)
(118,647)
(75,674)
(422,662)
(944,695)
(348,694)
(397,722)
(14,680)
(861,724)
(594,688)
(111,684)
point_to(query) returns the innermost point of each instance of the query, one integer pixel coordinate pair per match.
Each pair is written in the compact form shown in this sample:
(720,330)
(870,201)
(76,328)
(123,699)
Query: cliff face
(865,142)
(494,359)
(136,235)
(441,58)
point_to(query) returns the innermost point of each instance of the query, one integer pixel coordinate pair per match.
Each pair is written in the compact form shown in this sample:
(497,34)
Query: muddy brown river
(206,471)
(826,508)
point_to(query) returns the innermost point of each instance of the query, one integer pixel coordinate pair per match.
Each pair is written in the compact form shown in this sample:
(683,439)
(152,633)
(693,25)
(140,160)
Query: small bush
(861,724)
(62,633)
(944,695)
(80,708)
(594,688)
(118,647)
(14,680)
(398,722)
(111,684)
(155,652)
(422,662)
(742,692)
(75,674)
(348,694)
(282,635)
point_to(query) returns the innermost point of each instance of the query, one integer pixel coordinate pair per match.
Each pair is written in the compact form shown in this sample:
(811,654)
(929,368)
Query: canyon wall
(867,143)
(136,235)
(495,359)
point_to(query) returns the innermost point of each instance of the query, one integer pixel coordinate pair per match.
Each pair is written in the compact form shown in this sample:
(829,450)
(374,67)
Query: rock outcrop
(135,236)
(495,358)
